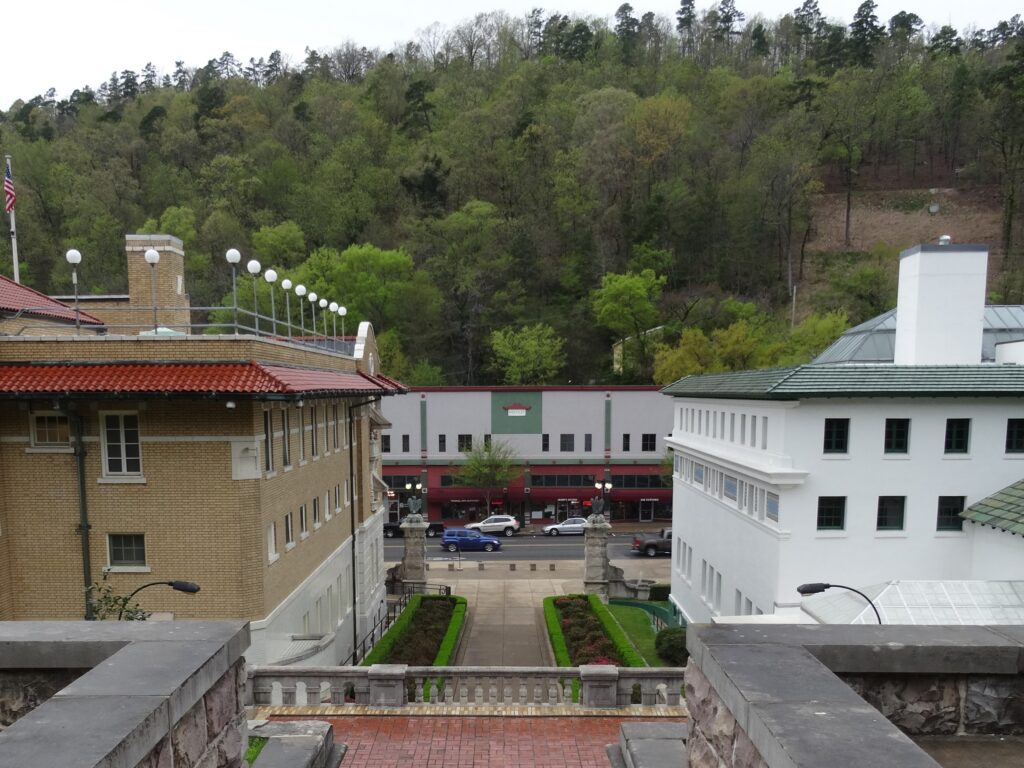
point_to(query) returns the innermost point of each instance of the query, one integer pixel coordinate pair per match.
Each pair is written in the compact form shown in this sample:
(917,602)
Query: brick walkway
(467,742)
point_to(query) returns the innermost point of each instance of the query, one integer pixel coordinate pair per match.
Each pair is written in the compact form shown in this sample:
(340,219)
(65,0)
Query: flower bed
(582,631)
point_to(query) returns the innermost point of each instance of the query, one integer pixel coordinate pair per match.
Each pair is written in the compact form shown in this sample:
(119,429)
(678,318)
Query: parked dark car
(391,530)
(456,539)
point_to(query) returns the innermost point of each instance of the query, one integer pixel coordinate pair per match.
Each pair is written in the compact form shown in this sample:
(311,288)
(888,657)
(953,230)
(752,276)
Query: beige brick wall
(200,525)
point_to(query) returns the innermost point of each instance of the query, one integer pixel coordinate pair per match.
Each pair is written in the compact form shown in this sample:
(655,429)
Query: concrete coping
(781,684)
(143,677)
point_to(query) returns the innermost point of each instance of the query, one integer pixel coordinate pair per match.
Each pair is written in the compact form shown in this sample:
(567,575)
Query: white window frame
(268,441)
(303,522)
(272,554)
(289,532)
(143,568)
(124,477)
(37,444)
(286,438)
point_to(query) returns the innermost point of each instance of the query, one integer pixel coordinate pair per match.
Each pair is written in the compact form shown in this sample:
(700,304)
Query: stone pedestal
(598,685)
(597,571)
(387,685)
(414,559)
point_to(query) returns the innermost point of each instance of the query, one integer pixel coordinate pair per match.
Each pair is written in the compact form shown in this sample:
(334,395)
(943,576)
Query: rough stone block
(190,737)
(222,702)
(656,753)
(995,705)
(699,752)
(916,704)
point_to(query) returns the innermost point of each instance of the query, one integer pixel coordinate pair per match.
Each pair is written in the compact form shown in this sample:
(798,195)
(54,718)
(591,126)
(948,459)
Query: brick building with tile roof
(246,464)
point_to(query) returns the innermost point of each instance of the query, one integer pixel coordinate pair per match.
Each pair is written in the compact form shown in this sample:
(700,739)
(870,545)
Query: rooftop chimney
(940,307)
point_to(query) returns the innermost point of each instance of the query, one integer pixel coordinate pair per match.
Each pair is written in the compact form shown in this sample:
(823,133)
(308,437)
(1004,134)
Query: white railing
(397,685)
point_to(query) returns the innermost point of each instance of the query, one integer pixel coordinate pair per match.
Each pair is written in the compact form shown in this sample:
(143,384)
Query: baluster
(418,691)
(288,692)
(535,690)
(435,691)
(449,690)
(567,690)
(262,691)
(552,691)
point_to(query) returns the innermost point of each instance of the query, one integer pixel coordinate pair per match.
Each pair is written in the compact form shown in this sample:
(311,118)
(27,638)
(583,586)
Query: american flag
(9,196)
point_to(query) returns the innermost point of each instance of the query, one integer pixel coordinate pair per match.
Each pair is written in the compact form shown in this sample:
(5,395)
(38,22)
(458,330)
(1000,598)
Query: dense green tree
(490,465)
(528,355)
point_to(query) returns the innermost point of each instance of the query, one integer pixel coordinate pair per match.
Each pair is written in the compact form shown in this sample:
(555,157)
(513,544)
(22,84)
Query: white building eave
(767,472)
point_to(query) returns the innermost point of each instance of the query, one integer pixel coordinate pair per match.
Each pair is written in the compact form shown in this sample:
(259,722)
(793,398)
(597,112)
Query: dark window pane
(949,518)
(545,444)
(958,433)
(567,442)
(442,441)
(1015,435)
(127,549)
(831,513)
(648,442)
(897,435)
(890,513)
(837,433)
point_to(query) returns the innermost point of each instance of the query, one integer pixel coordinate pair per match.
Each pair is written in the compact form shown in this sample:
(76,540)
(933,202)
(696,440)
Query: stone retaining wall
(155,694)
(934,705)
(777,696)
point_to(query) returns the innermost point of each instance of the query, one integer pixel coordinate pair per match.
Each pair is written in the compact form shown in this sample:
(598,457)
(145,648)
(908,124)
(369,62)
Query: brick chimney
(171,300)
(940,306)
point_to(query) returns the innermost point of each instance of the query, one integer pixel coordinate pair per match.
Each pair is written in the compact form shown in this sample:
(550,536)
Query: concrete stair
(650,745)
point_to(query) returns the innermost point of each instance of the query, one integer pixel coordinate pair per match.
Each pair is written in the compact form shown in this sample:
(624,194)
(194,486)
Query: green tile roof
(848,380)
(1004,509)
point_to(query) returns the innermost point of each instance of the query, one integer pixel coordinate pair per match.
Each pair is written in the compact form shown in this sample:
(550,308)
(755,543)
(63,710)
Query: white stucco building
(855,473)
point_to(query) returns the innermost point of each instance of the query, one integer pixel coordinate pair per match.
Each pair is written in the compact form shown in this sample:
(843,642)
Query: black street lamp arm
(180,586)
(815,588)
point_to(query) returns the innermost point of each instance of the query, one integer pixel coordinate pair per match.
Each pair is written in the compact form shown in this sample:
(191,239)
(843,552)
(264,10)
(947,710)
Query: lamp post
(74,259)
(334,324)
(286,286)
(271,276)
(312,309)
(605,488)
(342,311)
(300,291)
(323,306)
(179,586)
(815,588)
(152,257)
(233,257)
(253,268)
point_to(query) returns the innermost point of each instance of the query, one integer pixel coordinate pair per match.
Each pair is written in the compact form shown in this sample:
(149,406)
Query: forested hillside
(506,199)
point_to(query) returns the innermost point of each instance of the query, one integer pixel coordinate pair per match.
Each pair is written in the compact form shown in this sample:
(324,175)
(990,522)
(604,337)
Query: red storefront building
(568,439)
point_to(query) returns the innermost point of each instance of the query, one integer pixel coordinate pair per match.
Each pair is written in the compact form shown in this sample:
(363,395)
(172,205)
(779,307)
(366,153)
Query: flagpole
(14,232)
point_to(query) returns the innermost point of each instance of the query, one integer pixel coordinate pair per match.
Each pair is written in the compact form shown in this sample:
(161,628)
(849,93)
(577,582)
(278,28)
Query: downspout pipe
(352,515)
(83,512)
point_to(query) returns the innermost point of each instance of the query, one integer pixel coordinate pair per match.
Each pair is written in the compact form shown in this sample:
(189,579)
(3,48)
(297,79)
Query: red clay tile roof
(15,297)
(200,378)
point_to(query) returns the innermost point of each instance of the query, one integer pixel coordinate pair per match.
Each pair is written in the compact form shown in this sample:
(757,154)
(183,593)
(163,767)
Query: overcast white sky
(66,44)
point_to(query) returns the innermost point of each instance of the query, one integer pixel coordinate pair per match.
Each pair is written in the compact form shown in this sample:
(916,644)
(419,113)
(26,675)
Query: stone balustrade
(395,685)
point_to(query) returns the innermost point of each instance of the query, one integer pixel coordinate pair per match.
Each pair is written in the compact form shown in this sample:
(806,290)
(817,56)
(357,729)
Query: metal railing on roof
(169,321)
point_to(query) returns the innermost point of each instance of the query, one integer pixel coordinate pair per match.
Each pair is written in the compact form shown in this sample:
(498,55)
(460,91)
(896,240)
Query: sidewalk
(506,619)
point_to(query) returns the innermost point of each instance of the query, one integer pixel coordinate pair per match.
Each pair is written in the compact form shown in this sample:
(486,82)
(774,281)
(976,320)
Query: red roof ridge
(20,298)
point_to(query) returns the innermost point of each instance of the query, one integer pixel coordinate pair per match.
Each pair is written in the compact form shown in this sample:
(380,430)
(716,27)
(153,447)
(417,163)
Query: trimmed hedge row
(558,645)
(625,649)
(381,651)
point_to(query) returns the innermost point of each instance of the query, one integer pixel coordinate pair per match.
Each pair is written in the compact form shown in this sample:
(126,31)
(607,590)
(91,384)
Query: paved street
(519,547)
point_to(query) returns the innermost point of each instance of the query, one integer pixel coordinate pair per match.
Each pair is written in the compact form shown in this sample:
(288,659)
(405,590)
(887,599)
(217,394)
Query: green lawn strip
(626,651)
(636,623)
(256,744)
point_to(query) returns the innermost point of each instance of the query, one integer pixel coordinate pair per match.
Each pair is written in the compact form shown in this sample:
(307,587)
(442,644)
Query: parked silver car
(572,526)
(504,524)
